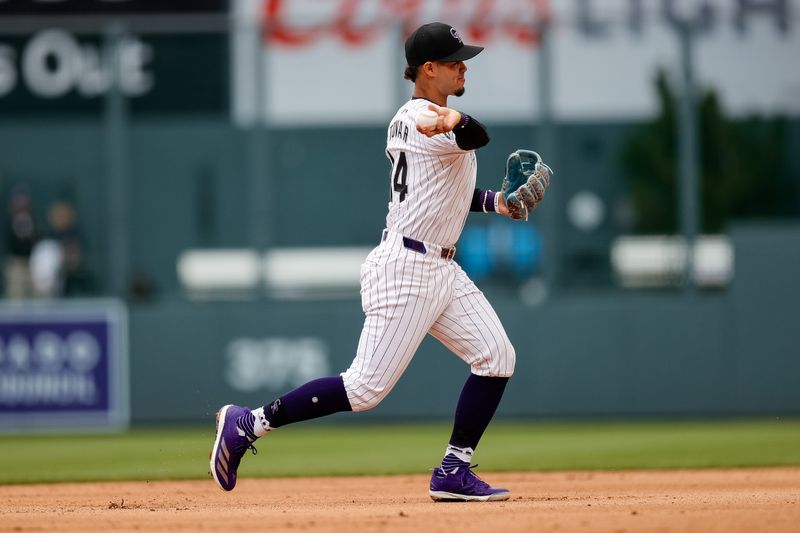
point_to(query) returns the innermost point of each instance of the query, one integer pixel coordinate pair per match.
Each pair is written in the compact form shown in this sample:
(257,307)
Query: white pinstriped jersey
(408,293)
(432,180)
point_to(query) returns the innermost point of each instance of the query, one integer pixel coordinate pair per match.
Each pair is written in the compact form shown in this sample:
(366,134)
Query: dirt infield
(706,500)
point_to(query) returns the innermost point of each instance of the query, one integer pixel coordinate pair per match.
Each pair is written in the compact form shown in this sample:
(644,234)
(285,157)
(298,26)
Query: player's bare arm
(502,208)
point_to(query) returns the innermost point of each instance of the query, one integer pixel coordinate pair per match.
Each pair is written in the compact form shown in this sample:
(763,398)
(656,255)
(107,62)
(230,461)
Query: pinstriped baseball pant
(406,295)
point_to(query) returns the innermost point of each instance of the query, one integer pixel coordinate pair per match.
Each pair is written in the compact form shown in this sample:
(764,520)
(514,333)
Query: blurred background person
(21,236)
(57,263)
(63,219)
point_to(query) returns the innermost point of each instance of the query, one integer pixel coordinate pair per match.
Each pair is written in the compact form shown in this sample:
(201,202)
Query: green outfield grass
(151,454)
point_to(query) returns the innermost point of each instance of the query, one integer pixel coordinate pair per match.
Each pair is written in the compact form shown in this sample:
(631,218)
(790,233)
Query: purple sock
(476,406)
(321,397)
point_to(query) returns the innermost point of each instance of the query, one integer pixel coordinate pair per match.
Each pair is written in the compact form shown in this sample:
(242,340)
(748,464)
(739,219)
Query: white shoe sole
(215,449)
(441,496)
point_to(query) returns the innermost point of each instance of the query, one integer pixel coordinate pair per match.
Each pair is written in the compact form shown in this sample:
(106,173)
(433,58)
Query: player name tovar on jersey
(432,180)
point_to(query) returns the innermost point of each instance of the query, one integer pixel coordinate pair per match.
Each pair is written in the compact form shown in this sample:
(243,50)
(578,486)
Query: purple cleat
(234,437)
(462,485)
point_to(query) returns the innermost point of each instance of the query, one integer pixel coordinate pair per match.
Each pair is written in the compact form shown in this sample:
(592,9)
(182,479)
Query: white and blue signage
(63,365)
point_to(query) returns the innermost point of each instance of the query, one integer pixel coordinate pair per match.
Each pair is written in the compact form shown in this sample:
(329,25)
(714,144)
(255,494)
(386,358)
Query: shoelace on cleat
(469,473)
(480,482)
(249,436)
(241,448)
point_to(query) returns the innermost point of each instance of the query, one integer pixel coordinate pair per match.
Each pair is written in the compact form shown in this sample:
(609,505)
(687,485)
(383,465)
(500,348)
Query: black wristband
(488,202)
(483,201)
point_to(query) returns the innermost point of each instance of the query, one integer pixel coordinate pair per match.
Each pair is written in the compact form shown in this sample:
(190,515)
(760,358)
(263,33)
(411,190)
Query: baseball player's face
(451,77)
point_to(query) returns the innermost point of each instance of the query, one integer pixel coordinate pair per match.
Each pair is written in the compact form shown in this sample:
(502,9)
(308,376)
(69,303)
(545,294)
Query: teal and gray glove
(527,177)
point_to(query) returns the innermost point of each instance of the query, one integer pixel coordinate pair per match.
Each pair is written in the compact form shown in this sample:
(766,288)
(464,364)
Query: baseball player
(410,284)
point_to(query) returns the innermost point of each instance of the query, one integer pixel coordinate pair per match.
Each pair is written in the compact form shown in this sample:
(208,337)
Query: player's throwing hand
(447,119)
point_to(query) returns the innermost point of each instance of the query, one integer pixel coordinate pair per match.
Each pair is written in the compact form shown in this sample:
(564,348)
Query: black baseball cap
(437,41)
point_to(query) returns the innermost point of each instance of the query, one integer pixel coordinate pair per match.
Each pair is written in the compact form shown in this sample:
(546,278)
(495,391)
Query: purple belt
(419,246)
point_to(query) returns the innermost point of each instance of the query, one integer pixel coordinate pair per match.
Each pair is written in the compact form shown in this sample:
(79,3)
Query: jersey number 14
(400,175)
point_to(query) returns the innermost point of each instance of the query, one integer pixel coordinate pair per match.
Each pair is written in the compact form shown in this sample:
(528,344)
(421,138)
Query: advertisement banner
(56,71)
(59,68)
(63,365)
(341,61)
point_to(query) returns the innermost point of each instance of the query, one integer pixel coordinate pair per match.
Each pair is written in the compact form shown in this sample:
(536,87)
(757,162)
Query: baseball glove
(527,177)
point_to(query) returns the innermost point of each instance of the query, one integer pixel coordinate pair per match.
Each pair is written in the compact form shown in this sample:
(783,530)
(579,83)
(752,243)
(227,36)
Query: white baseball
(427,118)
